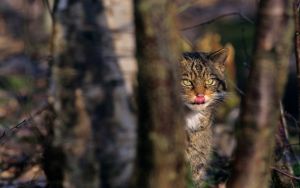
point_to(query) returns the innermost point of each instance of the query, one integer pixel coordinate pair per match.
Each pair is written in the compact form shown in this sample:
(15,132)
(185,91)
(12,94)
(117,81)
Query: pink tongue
(199,100)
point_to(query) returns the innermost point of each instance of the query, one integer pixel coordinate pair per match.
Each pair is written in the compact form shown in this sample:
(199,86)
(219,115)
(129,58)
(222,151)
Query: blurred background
(25,43)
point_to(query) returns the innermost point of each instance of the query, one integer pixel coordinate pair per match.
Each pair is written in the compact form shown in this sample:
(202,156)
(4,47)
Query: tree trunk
(260,107)
(119,14)
(161,123)
(297,47)
(94,127)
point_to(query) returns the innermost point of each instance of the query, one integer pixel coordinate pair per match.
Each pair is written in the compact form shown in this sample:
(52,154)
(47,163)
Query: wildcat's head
(202,79)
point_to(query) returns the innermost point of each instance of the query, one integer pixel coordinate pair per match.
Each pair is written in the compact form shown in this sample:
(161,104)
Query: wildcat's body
(203,87)
(199,146)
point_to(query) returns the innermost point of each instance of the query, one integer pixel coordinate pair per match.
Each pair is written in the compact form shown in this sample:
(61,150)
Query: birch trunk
(94,127)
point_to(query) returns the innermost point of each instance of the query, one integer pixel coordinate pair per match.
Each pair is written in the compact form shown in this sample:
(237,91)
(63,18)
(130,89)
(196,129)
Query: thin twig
(220,17)
(289,145)
(8,133)
(283,121)
(296,122)
(288,152)
(238,90)
(286,173)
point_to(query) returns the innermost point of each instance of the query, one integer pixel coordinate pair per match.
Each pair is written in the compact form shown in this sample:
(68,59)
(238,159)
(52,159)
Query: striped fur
(201,74)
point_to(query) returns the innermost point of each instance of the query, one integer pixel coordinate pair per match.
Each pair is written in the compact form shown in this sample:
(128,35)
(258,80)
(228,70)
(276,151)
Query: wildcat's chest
(196,121)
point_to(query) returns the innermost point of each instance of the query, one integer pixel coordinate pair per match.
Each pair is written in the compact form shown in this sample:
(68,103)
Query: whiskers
(230,94)
(219,96)
(217,99)
(212,102)
(185,98)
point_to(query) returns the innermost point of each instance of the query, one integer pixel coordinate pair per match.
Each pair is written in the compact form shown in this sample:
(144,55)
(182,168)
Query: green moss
(17,83)
(296,168)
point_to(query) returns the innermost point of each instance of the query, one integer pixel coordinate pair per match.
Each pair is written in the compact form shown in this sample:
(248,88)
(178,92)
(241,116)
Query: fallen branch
(11,131)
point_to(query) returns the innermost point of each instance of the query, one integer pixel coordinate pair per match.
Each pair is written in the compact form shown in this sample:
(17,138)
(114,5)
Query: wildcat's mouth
(200,99)
(203,102)
(196,107)
(199,103)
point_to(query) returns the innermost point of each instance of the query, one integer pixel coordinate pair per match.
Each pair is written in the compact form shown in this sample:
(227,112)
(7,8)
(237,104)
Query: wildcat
(202,89)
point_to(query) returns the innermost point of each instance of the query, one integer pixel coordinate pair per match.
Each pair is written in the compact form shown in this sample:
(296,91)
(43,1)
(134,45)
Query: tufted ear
(219,58)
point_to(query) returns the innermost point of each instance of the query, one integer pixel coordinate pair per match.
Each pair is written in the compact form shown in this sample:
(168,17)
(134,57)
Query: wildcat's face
(202,79)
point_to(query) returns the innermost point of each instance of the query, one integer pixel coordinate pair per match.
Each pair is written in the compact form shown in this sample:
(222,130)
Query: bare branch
(11,131)
(237,89)
(286,173)
(243,17)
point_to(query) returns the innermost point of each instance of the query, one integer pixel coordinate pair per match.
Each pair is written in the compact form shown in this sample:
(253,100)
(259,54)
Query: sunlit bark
(260,106)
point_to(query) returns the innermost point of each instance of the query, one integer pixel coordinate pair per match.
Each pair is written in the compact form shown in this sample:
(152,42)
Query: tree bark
(161,123)
(260,106)
(94,127)
(297,47)
(119,14)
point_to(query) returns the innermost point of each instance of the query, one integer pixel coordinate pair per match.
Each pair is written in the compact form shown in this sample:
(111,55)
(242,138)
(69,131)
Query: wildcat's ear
(219,58)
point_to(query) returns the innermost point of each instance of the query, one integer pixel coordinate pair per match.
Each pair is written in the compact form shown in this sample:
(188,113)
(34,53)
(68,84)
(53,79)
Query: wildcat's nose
(200,99)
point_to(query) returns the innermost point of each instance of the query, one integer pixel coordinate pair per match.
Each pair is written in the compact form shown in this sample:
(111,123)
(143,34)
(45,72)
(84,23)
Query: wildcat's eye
(210,82)
(186,83)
